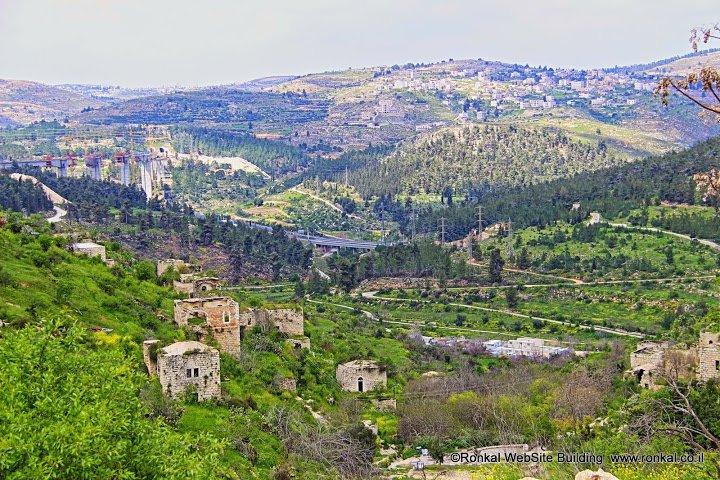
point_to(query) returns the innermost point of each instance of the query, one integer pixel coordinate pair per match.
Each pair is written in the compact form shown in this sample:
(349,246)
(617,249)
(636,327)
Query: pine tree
(496,266)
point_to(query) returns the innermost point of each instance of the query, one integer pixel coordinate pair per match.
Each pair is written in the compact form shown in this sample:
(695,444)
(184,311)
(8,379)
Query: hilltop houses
(216,316)
(708,356)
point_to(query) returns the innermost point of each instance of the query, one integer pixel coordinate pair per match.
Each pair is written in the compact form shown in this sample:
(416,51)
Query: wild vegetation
(22,196)
(481,156)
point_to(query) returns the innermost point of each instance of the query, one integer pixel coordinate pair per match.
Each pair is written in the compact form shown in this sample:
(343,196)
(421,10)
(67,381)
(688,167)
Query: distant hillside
(471,156)
(665,62)
(23,102)
(264,83)
(212,105)
(688,63)
(329,113)
(613,191)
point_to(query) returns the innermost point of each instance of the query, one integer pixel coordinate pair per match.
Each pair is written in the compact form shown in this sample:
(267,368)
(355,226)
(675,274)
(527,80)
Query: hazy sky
(199,42)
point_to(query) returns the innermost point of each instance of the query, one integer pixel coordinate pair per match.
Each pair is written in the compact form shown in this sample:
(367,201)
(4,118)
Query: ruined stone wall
(202,285)
(165,265)
(90,250)
(182,287)
(648,353)
(191,286)
(708,356)
(221,319)
(349,374)
(150,356)
(288,321)
(173,373)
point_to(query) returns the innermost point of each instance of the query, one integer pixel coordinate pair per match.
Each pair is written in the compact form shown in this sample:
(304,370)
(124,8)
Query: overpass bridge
(334,242)
(152,167)
(321,240)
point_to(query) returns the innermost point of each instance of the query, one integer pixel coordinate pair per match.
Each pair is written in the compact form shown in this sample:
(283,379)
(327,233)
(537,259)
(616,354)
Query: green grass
(628,254)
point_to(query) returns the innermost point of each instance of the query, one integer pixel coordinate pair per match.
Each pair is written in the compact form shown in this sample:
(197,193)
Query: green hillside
(496,155)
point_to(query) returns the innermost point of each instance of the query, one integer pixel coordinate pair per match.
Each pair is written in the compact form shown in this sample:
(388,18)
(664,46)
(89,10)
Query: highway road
(323,241)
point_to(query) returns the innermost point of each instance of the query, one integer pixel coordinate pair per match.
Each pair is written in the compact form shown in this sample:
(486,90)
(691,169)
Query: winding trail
(372,295)
(595,217)
(576,281)
(327,202)
(257,287)
(583,283)
(371,316)
(59,214)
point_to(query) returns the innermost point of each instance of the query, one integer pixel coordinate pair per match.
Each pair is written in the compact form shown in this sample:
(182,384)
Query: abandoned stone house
(221,317)
(708,356)
(89,249)
(216,316)
(182,365)
(285,320)
(193,285)
(360,376)
(165,265)
(653,361)
(647,362)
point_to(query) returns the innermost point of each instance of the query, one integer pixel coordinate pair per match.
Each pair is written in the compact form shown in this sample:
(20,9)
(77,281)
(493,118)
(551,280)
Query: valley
(367,273)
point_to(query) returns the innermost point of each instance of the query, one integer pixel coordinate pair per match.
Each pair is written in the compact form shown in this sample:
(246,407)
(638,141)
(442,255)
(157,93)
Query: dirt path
(585,284)
(576,281)
(325,201)
(614,331)
(595,217)
(374,318)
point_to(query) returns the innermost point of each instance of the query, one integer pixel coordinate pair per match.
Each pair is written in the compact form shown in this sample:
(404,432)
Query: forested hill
(611,191)
(466,157)
(271,156)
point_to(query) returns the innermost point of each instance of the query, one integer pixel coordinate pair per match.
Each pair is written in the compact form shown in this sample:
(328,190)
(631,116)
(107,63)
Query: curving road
(51,194)
(59,214)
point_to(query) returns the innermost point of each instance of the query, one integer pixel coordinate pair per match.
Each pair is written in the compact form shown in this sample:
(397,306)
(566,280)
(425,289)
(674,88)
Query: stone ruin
(652,361)
(191,281)
(165,265)
(646,362)
(285,320)
(192,284)
(360,376)
(708,356)
(216,316)
(221,318)
(182,365)
(89,249)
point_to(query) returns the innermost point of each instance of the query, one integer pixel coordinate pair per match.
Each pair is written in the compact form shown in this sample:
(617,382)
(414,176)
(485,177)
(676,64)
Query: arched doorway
(361,384)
